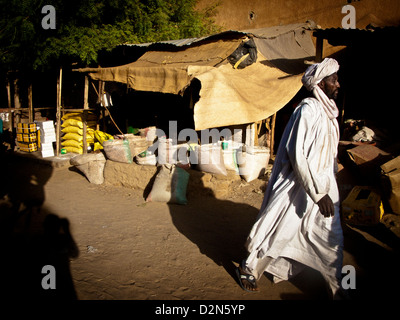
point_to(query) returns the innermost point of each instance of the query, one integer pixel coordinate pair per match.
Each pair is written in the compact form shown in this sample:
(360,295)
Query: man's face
(330,85)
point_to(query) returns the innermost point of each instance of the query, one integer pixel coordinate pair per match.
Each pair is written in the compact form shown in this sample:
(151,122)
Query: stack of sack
(72,128)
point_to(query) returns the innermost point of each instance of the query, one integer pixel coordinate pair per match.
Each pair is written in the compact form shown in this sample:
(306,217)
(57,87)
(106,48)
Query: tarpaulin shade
(228,96)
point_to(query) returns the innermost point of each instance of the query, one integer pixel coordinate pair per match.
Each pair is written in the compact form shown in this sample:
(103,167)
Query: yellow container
(27,137)
(27,147)
(363,206)
(26,127)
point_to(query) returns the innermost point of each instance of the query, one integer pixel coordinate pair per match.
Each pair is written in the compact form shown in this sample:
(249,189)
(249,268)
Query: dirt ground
(107,243)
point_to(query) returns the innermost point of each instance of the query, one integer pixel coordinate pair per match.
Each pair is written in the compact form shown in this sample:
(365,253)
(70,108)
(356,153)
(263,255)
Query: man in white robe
(299,223)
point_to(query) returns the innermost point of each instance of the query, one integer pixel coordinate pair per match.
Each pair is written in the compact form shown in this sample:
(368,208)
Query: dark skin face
(330,85)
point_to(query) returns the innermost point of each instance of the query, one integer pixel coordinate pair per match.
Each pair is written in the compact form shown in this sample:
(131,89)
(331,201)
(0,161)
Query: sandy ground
(107,243)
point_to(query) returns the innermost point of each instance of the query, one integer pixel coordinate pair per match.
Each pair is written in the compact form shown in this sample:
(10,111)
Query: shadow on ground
(219,228)
(31,237)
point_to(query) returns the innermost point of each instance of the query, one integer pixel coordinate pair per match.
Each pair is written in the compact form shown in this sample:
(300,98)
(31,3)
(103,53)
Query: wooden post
(10,111)
(103,111)
(31,114)
(85,106)
(17,103)
(319,49)
(272,136)
(58,112)
(254,127)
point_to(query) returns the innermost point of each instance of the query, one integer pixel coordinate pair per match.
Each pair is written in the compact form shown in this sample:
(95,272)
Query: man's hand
(326,206)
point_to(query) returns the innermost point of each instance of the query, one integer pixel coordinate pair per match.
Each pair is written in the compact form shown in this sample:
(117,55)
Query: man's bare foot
(246,281)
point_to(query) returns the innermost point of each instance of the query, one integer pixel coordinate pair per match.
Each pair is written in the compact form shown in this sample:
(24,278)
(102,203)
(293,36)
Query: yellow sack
(72,115)
(72,122)
(73,136)
(74,150)
(72,129)
(77,137)
(72,143)
(97,146)
(102,136)
(78,116)
(78,123)
(90,133)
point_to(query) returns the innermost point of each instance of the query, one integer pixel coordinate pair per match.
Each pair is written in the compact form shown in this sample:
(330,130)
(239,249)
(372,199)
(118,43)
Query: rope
(101,100)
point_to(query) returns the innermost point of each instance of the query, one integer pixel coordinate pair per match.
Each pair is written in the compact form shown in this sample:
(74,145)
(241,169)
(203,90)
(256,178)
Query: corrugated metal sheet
(266,33)
(177,43)
(186,42)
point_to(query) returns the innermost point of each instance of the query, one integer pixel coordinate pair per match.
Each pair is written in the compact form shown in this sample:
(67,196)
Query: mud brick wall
(139,177)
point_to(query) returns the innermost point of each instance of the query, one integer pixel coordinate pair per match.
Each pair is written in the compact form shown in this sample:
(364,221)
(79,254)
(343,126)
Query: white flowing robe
(290,227)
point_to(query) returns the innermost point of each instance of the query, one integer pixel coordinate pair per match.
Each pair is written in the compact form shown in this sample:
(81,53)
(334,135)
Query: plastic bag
(244,55)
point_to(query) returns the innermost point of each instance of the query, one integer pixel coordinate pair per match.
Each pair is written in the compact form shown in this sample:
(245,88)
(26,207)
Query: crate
(363,207)
(27,137)
(26,127)
(28,147)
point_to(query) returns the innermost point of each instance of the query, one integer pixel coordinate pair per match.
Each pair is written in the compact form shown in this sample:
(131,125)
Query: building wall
(251,14)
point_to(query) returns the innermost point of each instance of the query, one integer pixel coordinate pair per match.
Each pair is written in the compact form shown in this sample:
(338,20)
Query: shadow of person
(55,248)
(31,237)
(22,189)
(218,227)
(26,256)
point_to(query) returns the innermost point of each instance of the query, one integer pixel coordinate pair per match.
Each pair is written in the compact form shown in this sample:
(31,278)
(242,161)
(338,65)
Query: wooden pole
(17,103)
(58,112)
(319,49)
(31,114)
(103,111)
(272,135)
(9,103)
(85,106)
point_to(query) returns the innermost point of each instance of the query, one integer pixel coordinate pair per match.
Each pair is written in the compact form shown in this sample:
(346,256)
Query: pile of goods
(27,137)
(72,129)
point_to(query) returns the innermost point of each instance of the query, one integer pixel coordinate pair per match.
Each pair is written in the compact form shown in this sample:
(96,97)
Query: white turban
(315,73)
